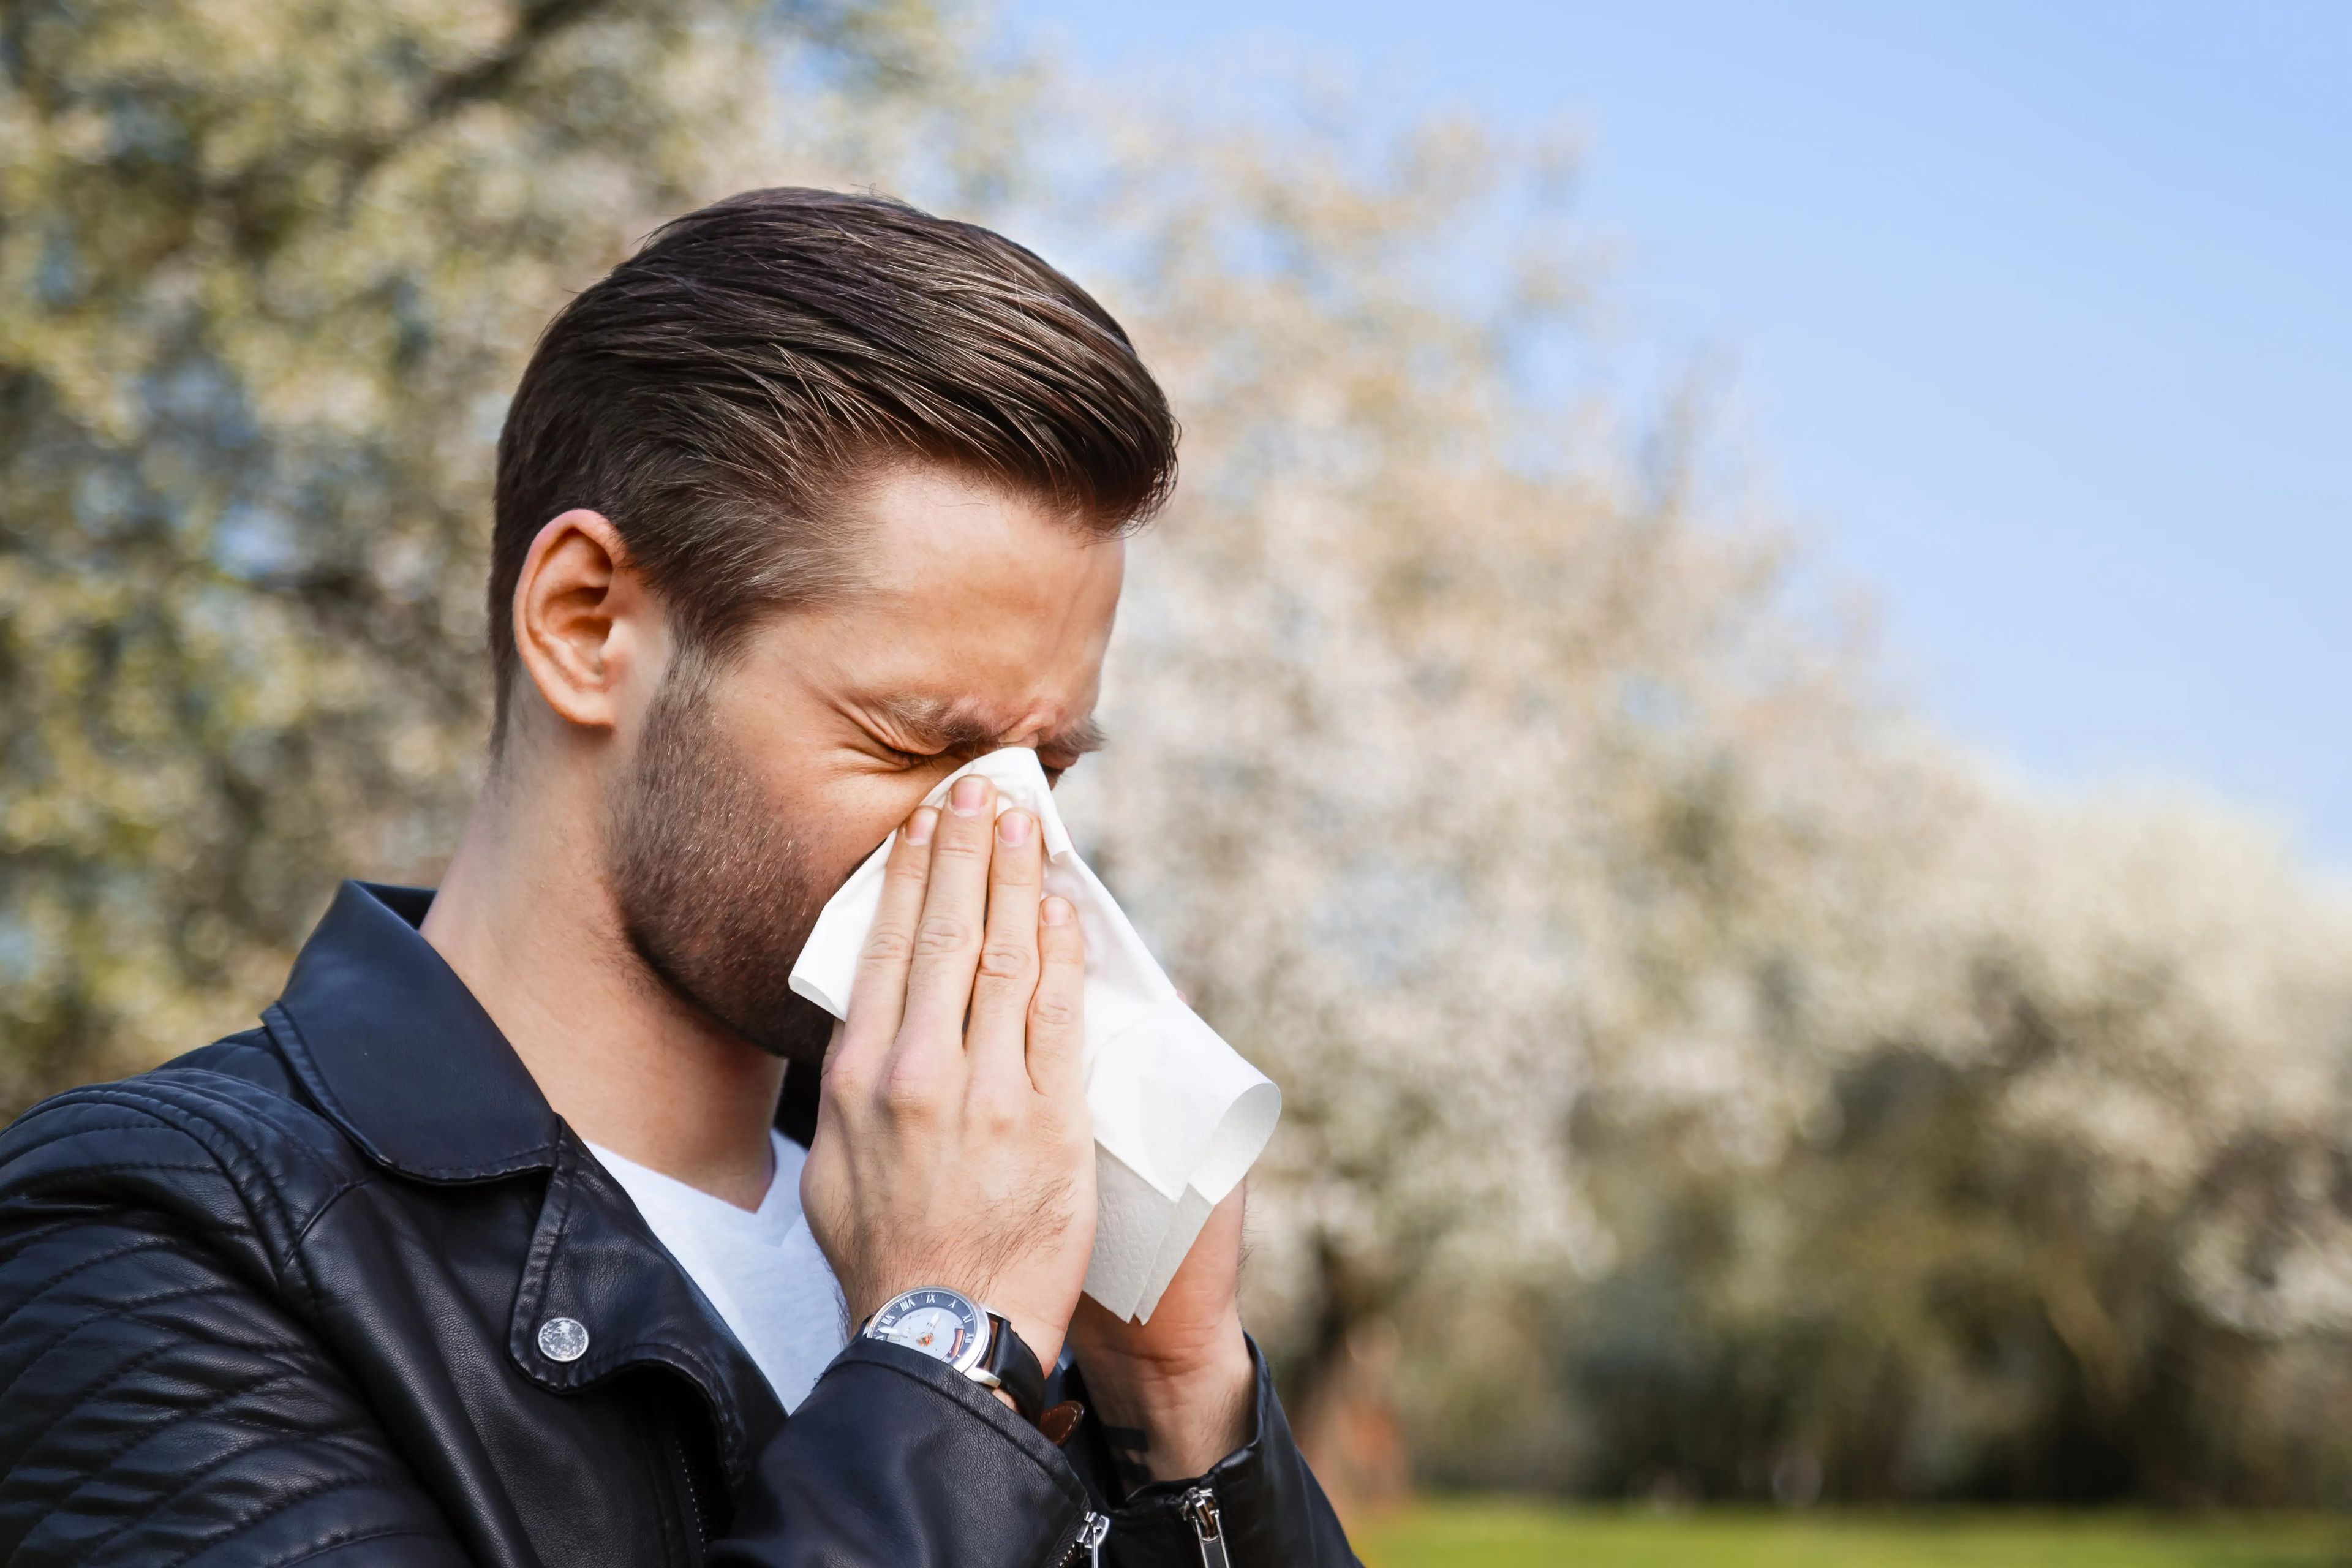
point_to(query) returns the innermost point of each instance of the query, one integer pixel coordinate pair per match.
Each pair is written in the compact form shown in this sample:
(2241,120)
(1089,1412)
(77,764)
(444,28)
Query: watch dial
(936,1322)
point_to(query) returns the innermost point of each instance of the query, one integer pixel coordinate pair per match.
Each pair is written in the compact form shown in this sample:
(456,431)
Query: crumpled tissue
(1179,1116)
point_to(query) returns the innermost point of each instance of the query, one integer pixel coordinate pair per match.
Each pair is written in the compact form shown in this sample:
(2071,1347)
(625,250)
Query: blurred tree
(1649,1000)
(266,271)
(1469,759)
(2079,1232)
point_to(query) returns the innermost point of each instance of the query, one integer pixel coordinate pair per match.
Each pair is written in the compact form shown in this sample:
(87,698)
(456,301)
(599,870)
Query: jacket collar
(398,1053)
(392,1046)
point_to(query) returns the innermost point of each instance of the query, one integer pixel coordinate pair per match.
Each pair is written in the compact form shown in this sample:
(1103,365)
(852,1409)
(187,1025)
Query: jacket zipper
(694,1498)
(1092,1528)
(1200,1510)
(693,1494)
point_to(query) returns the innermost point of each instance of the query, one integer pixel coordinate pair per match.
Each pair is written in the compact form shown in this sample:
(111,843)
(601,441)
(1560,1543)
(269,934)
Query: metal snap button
(563,1338)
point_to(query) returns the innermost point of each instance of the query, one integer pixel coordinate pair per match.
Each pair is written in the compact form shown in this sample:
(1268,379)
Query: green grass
(1478,1534)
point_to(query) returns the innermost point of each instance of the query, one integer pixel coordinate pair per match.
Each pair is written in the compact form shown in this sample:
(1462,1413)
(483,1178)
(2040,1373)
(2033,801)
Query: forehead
(931,536)
(975,606)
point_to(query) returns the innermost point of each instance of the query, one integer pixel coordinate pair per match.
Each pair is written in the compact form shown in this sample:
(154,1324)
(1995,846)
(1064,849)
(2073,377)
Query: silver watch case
(943,1324)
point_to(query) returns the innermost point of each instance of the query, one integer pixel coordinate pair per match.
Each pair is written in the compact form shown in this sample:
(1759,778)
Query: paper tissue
(1179,1117)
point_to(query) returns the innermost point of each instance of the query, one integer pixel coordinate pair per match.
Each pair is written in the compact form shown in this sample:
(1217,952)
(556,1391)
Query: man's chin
(795,1030)
(798,1032)
(789,1027)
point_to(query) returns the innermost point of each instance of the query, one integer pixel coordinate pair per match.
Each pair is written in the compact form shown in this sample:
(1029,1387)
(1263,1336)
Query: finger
(880,996)
(1007,976)
(1057,1009)
(955,906)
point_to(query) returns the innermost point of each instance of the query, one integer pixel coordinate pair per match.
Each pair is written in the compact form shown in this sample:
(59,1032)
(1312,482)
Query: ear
(583,623)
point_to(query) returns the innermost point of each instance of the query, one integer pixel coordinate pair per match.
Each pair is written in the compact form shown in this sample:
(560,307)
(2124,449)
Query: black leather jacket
(280,1301)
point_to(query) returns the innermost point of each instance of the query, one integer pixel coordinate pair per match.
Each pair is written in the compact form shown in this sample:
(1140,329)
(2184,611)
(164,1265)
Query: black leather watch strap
(1015,1366)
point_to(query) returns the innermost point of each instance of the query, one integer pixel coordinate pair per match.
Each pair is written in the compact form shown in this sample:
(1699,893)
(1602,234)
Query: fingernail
(1012,828)
(919,825)
(1057,912)
(965,799)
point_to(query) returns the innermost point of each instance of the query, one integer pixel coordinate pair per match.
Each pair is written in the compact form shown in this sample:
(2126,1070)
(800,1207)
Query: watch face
(936,1322)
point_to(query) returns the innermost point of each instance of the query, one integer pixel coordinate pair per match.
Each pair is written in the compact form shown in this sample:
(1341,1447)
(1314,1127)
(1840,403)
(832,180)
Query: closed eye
(912,762)
(1054,762)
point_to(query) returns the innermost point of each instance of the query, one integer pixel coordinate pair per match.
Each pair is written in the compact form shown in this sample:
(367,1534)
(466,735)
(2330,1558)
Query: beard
(715,892)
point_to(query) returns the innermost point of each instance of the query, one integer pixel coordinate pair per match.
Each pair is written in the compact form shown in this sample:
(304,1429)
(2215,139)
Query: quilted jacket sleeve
(154,1409)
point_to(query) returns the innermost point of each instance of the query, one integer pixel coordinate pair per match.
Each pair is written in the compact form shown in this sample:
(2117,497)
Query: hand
(954,1145)
(1175,1394)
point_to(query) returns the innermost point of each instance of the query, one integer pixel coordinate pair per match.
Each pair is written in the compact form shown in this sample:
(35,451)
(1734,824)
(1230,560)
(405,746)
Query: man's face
(758,783)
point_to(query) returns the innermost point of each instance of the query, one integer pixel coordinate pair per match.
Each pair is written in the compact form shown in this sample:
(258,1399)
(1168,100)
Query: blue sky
(2039,319)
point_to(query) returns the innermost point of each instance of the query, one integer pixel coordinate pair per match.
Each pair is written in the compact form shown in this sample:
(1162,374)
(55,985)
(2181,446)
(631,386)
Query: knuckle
(887,944)
(942,934)
(1007,959)
(1052,1012)
(905,1096)
(844,1077)
(995,1113)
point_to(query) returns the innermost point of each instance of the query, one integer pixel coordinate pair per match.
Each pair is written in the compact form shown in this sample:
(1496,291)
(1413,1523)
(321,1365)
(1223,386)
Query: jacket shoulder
(251,1055)
(164,1396)
(221,1138)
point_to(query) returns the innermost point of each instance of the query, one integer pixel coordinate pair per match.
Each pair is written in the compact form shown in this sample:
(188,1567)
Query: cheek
(841,814)
(836,802)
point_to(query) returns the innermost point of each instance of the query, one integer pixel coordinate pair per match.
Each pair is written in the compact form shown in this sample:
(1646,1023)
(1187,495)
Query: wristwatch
(951,1327)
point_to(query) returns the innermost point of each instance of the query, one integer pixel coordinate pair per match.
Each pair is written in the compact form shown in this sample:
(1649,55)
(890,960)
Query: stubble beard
(715,892)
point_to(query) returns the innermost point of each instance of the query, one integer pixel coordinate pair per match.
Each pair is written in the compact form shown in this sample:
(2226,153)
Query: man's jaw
(793,1029)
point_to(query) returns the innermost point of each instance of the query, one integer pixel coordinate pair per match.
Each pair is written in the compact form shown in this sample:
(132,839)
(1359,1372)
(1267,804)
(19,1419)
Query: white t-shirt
(760,1268)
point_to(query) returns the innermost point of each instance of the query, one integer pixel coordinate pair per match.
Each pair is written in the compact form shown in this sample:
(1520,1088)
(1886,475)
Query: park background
(1721,1067)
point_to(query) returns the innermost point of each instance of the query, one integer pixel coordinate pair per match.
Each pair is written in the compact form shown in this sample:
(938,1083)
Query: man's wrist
(1166,1417)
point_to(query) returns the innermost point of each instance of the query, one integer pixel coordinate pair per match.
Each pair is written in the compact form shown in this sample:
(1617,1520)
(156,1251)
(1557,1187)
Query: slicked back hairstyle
(714,396)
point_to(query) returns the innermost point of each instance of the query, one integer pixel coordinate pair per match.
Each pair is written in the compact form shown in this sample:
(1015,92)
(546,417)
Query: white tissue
(1179,1117)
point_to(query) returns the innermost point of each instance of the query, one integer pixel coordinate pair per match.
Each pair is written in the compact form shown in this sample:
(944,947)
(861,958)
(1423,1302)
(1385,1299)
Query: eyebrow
(934,722)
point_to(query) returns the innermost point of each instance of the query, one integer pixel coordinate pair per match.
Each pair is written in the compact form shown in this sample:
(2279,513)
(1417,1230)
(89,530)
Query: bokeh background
(1735,1051)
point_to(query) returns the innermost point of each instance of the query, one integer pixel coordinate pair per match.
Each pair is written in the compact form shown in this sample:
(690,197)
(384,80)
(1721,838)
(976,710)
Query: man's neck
(527,921)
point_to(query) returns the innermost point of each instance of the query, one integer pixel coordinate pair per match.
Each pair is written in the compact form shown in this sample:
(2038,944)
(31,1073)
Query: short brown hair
(715,393)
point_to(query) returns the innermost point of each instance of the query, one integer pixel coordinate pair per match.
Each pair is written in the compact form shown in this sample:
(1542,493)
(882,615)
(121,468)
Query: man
(515,1231)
